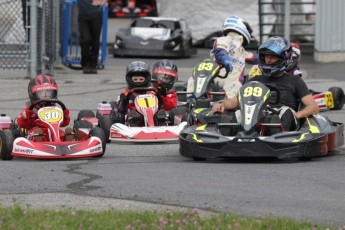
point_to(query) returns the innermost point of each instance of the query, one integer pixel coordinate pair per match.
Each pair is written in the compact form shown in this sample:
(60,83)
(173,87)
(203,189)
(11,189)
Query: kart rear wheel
(199,159)
(6,144)
(85,113)
(338,97)
(105,124)
(98,132)
(82,125)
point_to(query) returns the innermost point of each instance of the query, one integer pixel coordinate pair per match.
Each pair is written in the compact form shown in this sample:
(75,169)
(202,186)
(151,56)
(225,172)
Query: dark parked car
(154,37)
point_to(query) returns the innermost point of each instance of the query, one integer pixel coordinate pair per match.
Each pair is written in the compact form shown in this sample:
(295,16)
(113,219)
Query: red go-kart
(16,142)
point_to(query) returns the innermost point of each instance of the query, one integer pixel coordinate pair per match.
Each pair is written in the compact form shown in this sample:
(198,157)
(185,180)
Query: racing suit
(230,47)
(31,122)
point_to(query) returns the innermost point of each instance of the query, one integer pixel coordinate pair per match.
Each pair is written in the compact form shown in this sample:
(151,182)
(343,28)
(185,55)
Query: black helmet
(275,46)
(164,75)
(138,68)
(42,87)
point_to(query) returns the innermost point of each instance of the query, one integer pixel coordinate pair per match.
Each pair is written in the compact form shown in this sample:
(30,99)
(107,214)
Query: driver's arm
(230,103)
(310,107)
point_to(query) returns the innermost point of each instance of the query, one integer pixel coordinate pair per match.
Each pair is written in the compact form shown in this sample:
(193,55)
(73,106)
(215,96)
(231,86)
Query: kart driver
(274,58)
(164,75)
(42,87)
(293,68)
(137,76)
(229,50)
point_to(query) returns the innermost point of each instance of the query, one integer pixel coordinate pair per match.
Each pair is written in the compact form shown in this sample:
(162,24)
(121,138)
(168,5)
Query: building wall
(330,32)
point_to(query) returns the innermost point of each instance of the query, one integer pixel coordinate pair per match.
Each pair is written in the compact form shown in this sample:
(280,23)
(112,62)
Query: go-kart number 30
(252,91)
(51,115)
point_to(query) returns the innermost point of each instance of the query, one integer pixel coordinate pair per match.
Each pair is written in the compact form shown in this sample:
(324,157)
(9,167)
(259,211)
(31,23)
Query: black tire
(98,132)
(82,124)
(199,159)
(176,111)
(338,97)
(6,144)
(105,124)
(85,113)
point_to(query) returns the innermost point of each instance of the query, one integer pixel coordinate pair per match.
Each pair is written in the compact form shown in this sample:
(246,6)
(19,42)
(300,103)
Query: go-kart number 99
(252,91)
(205,66)
(50,115)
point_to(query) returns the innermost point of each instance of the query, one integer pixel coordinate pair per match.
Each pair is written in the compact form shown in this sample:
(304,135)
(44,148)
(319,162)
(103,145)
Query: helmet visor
(165,75)
(46,94)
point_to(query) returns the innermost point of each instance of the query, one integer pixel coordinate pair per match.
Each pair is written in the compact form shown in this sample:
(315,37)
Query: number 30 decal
(250,91)
(51,115)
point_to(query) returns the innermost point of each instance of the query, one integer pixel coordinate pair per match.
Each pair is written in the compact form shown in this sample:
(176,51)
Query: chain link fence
(13,36)
(30,35)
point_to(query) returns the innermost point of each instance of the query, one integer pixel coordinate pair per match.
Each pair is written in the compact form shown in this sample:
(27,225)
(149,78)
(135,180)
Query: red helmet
(42,87)
(164,75)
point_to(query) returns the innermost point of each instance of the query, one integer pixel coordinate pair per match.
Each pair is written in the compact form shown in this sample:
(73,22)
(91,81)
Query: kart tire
(85,113)
(6,144)
(338,97)
(105,124)
(199,159)
(82,125)
(176,111)
(98,132)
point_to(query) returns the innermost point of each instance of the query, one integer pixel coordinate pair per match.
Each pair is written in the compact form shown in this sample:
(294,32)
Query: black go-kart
(257,136)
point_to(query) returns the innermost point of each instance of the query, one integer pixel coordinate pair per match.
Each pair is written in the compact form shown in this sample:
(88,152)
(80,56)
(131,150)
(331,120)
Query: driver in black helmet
(137,76)
(41,87)
(164,76)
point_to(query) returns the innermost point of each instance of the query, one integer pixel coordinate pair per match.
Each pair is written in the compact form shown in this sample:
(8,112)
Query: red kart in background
(132,8)
(15,141)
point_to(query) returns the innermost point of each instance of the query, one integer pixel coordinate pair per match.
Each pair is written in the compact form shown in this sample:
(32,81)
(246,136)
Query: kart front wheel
(98,132)
(105,124)
(338,97)
(6,144)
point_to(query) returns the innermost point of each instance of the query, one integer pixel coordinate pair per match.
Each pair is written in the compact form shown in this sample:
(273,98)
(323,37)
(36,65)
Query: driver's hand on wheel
(218,108)
(27,113)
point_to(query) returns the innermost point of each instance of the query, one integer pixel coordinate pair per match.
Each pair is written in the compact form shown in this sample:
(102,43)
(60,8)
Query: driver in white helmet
(230,52)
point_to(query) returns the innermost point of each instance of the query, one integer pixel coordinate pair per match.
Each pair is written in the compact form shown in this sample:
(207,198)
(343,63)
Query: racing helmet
(296,57)
(42,87)
(164,75)
(275,46)
(138,68)
(239,25)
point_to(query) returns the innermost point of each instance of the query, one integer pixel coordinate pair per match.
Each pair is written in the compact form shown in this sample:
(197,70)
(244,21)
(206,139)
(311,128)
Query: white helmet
(237,24)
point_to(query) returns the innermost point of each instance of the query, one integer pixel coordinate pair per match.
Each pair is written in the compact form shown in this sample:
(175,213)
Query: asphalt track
(154,176)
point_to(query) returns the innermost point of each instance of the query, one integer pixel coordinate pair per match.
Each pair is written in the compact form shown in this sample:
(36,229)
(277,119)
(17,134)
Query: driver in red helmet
(41,87)
(164,75)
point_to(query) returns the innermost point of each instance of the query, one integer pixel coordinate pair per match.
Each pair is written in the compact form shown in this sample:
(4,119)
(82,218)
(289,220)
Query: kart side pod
(104,108)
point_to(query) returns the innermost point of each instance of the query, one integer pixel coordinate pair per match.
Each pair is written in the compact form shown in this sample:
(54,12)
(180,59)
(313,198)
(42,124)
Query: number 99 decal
(252,91)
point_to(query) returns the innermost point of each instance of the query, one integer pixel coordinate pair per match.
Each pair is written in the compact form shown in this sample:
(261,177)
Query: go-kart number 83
(252,91)
(50,115)
(205,66)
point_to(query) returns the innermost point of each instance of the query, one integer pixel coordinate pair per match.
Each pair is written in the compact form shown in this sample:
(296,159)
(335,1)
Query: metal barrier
(300,26)
(70,51)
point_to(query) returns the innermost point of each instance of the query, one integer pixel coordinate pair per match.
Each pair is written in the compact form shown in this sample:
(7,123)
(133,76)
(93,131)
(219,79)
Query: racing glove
(27,113)
(226,63)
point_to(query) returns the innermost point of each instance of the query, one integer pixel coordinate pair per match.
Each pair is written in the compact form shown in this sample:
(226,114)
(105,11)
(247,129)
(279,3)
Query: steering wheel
(142,89)
(63,107)
(226,73)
